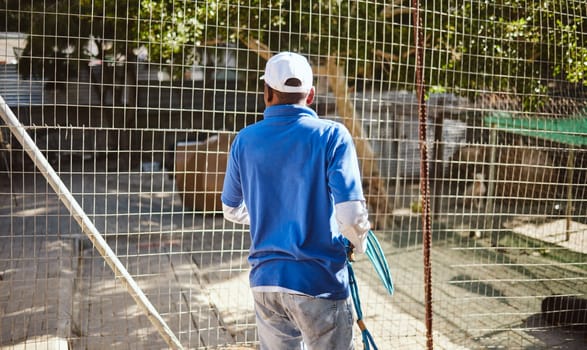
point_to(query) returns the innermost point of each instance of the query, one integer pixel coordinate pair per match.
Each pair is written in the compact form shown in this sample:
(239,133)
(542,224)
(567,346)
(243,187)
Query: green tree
(59,32)
(522,47)
(175,30)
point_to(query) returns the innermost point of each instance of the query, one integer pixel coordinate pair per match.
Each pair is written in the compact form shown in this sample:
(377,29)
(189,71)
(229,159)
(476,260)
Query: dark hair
(289,97)
(293,82)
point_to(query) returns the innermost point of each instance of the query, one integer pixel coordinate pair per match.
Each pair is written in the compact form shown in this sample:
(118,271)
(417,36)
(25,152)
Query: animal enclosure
(469,119)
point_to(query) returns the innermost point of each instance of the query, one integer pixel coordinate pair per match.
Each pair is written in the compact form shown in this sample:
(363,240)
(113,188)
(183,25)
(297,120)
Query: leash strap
(377,257)
(379,262)
(368,341)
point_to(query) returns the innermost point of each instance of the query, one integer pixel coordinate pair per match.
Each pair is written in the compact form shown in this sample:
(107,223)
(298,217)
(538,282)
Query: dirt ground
(192,267)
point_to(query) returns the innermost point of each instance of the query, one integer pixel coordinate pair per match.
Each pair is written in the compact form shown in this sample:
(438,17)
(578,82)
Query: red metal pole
(424,179)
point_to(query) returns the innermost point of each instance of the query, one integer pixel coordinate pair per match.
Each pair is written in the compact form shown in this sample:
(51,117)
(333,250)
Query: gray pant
(291,321)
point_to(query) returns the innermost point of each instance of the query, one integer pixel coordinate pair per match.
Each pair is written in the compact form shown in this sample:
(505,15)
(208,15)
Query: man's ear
(270,94)
(310,97)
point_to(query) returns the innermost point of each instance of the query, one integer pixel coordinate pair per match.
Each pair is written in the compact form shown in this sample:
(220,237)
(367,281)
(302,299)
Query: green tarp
(570,131)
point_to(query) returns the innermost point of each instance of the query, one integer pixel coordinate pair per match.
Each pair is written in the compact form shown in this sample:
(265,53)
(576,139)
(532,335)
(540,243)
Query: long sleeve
(239,215)
(353,222)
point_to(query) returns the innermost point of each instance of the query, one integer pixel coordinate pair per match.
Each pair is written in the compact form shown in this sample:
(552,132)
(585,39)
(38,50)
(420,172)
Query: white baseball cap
(287,65)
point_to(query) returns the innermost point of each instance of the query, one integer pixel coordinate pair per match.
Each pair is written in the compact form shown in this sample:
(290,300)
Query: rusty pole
(424,180)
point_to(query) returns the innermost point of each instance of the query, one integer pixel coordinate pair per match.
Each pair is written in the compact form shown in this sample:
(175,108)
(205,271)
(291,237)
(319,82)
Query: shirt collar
(289,111)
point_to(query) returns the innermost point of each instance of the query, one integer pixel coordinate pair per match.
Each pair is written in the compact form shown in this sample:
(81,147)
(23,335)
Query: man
(294,178)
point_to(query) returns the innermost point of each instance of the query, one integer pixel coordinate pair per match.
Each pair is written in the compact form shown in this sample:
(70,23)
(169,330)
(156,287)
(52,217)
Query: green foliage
(520,47)
(513,46)
(176,30)
(170,28)
(59,31)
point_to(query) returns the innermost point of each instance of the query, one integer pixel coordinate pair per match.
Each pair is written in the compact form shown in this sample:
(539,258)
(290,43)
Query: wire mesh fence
(134,105)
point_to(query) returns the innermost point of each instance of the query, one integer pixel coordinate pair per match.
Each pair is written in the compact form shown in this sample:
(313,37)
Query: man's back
(295,180)
(291,168)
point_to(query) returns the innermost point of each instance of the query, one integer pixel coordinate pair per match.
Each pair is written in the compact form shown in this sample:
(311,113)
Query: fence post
(491,177)
(570,175)
(424,175)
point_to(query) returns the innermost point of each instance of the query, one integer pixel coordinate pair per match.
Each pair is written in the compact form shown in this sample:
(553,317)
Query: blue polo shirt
(290,169)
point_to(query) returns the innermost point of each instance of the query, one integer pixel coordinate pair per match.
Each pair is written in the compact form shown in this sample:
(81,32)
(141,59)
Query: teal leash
(365,334)
(379,262)
(377,257)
